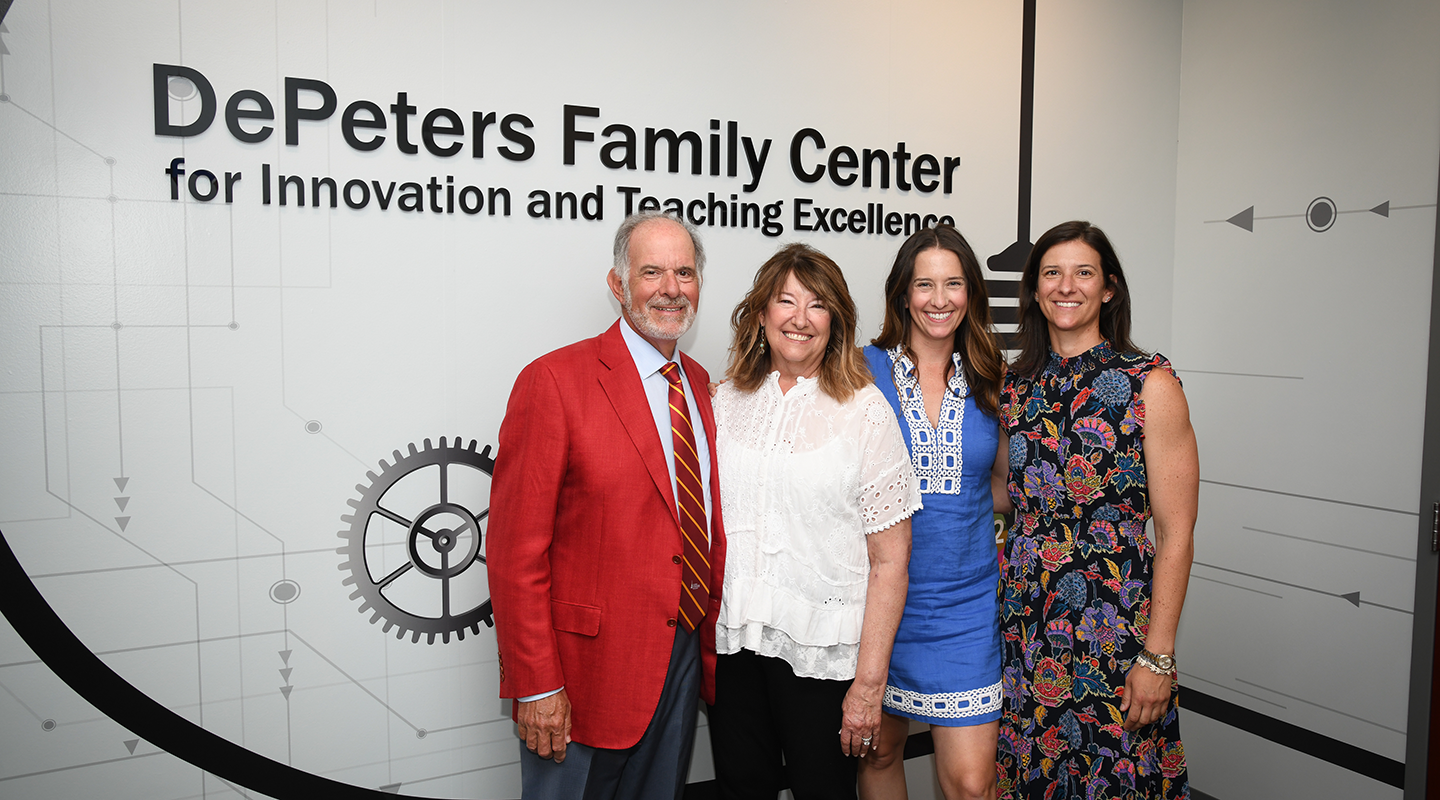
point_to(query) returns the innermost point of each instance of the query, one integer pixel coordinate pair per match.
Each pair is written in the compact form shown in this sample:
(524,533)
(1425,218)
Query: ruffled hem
(753,603)
(832,663)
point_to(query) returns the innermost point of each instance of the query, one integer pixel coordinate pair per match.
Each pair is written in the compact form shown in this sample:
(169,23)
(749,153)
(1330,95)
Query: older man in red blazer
(605,549)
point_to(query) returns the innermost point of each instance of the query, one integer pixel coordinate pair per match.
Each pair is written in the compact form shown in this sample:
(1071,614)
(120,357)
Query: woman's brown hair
(1034,330)
(975,339)
(842,369)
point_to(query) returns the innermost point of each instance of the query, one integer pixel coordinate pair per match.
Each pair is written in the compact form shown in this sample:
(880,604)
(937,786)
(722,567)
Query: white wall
(358,333)
(1303,355)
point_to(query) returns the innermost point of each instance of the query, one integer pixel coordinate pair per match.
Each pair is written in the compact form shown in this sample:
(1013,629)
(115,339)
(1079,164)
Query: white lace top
(803,479)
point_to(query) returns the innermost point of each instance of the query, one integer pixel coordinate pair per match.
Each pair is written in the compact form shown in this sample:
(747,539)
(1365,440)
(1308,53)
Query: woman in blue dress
(938,362)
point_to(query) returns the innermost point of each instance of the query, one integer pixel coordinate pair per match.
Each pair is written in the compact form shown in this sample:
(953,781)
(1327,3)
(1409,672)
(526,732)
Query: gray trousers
(654,769)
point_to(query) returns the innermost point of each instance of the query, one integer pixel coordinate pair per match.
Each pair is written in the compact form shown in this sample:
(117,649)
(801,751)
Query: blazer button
(675,559)
(670,622)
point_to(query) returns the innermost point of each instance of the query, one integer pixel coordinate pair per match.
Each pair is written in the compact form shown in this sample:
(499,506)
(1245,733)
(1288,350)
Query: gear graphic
(443,540)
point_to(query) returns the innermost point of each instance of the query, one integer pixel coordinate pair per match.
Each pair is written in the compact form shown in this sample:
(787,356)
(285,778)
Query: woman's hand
(860,719)
(1147,696)
(889,554)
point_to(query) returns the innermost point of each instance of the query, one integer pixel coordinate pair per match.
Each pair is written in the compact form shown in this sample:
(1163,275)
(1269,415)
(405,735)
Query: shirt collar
(648,360)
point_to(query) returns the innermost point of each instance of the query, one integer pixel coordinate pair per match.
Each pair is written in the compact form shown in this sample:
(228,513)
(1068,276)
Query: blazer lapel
(621,383)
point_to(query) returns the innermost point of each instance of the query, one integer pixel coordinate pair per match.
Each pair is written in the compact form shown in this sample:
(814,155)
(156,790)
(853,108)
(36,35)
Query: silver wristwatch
(1157,663)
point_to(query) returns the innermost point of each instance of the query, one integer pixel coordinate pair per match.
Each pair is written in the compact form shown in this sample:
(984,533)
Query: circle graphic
(313,426)
(285,591)
(181,89)
(433,498)
(49,725)
(1320,215)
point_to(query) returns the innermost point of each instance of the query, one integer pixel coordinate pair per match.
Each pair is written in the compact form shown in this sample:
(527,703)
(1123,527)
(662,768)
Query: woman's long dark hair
(1034,332)
(975,339)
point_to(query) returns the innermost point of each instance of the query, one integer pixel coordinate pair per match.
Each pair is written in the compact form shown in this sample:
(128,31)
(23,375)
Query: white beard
(642,321)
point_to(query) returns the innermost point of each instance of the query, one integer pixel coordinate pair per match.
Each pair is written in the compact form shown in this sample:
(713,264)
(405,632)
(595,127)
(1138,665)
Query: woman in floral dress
(1099,443)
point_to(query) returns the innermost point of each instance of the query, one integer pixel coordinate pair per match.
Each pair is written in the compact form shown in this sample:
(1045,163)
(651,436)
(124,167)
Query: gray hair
(621,265)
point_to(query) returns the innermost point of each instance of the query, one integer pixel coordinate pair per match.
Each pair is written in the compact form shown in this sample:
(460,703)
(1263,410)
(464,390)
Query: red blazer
(584,540)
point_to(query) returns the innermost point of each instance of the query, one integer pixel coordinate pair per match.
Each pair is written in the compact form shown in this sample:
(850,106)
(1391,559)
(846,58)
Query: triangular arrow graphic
(130,745)
(122,502)
(1353,597)
(285,673)
(1383,209)
(122,522)
(285,655)
(120,483)
(391,788)
(285,690)
(1245,219)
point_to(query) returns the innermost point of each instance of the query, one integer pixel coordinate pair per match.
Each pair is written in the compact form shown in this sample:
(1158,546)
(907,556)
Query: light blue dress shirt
(649,362)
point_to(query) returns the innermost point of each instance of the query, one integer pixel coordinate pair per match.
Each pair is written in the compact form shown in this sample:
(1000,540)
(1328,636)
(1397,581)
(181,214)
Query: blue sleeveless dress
(945,668)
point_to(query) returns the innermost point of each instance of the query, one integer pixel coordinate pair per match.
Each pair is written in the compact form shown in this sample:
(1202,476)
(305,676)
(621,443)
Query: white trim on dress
(935,452)
(944,705)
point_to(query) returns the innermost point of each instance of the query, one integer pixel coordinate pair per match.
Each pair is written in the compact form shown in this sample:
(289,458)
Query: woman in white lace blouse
(817,488)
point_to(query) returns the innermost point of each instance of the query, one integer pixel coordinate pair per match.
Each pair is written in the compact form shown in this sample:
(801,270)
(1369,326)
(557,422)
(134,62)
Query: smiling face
(662,291)
(797,329)
(937,299)
(1070,291)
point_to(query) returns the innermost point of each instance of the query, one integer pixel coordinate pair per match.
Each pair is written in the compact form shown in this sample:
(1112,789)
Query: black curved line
(73,662)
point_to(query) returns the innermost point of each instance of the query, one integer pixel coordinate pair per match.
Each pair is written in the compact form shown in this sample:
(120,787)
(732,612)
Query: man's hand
(545,725)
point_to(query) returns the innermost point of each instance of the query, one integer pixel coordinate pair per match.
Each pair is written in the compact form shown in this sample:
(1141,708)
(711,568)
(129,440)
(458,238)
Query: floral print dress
(1077,586)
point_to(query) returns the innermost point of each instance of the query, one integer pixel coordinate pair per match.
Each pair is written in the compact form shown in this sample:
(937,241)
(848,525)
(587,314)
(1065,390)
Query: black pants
(763,712)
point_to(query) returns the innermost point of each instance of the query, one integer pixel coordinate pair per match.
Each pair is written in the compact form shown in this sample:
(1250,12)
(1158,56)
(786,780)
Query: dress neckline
(801,382)
(1094,357)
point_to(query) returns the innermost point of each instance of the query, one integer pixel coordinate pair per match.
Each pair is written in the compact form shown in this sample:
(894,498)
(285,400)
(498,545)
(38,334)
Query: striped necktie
(695,564)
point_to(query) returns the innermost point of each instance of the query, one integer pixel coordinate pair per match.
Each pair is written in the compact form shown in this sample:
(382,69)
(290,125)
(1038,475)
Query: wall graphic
(1305,204)
(444,540)
(268,270)
(268,273)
